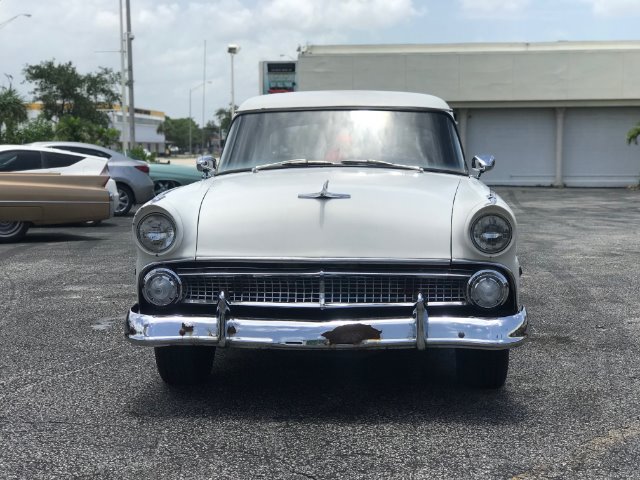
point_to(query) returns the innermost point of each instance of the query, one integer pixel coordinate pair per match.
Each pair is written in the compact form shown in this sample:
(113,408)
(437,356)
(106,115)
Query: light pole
(190,121)
(232,49)
(132,108)
(204,88)
(123,84)
(28,15)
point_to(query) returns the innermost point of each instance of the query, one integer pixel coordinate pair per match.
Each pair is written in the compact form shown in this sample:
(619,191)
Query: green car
(166,176)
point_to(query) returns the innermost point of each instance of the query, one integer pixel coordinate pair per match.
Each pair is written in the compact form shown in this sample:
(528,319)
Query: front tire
(125,200)
(12,231)
(482,368)
(184,365)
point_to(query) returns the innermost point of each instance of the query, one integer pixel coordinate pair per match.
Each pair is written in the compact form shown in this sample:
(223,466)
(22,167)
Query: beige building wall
(468,73)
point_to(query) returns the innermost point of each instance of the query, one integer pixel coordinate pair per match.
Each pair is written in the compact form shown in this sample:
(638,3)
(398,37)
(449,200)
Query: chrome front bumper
(462,332)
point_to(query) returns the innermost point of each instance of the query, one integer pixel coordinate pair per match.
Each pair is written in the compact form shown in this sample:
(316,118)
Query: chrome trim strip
(311,260)
(428,262)
(327,305)
(455,332)
(204,273)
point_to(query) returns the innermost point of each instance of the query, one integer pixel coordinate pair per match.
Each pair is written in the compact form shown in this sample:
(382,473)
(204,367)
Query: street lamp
(28,15)
(232,49)
(190,121)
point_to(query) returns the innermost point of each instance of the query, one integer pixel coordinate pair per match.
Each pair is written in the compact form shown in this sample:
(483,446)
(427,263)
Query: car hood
(391,214)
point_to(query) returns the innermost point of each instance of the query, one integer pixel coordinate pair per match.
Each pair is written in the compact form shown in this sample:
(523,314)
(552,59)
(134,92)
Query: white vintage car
(334,220)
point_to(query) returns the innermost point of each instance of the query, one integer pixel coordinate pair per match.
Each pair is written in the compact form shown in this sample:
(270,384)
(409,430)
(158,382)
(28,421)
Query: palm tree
(12,110)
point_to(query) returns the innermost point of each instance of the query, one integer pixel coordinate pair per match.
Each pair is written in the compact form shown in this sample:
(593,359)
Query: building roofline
(471,47)
(116,108)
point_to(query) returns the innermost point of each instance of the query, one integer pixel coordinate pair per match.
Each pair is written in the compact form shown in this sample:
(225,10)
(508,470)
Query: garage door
(595,148)
(522,140)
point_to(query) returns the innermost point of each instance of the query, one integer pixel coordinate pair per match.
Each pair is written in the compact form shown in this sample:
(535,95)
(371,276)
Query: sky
(168,51)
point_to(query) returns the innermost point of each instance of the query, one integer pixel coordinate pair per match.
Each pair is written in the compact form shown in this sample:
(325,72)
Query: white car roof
(86,164)
(344,98)
(38,148)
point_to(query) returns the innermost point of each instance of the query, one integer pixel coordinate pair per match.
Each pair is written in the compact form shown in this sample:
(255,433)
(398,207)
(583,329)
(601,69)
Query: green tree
(37,130)
(223,115)
(63,92)
(12,112)
(176,131)
(75,129)
(633,134)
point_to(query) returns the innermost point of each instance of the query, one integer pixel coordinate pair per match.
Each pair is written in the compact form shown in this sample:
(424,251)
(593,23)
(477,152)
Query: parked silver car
(131,176)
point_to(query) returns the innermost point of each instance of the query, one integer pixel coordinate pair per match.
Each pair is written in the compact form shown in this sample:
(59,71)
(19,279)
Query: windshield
(377,138)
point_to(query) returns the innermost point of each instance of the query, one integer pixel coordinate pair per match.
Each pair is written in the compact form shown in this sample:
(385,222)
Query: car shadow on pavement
(362,387)
(44,236)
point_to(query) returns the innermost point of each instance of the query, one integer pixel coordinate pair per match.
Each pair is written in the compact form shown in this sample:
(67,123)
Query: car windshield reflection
(379,138)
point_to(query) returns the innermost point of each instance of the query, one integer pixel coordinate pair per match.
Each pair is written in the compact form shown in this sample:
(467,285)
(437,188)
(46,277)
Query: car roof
(39,148)
(114,155)
(344,98)
(55,143)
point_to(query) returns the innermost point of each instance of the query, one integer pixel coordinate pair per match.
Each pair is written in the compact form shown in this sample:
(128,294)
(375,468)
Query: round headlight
(161,287)
(488,289)
(491,233)
(156,232)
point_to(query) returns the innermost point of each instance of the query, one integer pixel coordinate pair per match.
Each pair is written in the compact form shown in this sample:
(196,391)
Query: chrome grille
(324,289)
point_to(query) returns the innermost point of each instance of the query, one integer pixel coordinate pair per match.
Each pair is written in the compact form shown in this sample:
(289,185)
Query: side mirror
(483,163)
(206,165)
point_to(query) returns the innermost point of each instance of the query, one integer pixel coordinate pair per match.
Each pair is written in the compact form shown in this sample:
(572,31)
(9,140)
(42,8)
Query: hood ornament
(324,194)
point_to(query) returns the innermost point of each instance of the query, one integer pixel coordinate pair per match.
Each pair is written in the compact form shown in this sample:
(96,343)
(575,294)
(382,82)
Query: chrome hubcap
(162,186)
(9,228)
(123,200)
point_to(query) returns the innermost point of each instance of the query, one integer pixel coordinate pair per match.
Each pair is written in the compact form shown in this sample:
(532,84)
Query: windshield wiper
(381,163)
(298,162)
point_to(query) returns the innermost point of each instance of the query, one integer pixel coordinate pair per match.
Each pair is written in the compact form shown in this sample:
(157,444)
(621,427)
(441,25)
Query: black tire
(13,231)
(126,200)
(482,368)
(188,365)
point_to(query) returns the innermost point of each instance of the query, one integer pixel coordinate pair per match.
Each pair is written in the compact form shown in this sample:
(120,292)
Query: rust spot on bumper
(352,334)
(185,329)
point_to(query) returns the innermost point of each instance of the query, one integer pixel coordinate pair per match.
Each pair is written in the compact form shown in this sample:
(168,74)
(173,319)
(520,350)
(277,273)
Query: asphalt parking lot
(77,401)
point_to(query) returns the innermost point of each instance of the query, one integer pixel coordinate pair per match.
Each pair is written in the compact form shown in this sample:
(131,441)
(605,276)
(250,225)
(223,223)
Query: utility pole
(204,88)
(132,119)
(123,89)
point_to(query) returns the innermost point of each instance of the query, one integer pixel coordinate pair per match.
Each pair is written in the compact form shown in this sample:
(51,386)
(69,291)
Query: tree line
(75,106)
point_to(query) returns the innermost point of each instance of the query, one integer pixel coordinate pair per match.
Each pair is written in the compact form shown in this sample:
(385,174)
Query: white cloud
(495,7)
(333,15)
(610,8)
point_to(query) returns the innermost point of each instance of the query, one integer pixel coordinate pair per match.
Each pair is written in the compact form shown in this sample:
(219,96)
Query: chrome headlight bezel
(484,275)
(477,243)
(172,276)
(145,246)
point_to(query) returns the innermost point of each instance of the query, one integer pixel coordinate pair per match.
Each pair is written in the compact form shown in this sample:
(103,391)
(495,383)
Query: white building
(551,113)
(147,123)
